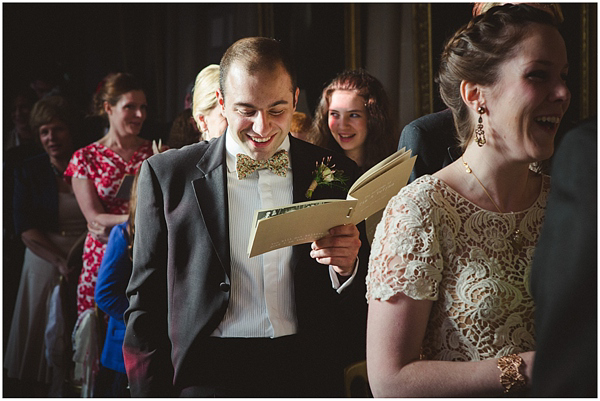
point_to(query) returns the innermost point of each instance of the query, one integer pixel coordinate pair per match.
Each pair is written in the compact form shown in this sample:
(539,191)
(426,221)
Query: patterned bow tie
(278,164)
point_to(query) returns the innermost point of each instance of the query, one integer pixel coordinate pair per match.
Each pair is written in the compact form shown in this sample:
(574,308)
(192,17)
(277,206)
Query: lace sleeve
(405,255)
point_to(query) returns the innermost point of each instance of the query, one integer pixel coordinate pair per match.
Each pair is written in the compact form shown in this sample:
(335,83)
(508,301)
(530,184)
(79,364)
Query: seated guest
(353,117)
(450,310)
(564,279)
(49,221)
(208,116)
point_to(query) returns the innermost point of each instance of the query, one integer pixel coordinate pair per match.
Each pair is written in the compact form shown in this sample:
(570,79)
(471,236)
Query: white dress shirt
(261,300)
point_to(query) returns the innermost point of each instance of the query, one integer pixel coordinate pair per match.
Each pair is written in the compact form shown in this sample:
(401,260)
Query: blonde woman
(204,107)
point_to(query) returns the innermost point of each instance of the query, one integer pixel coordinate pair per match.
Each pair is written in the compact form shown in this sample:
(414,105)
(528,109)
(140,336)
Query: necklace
(56,172)
(516,238)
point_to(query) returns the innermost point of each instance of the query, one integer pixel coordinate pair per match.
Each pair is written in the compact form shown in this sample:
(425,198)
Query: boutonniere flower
(326,175)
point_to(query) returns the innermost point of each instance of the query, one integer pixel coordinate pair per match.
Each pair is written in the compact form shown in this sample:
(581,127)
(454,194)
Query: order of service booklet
(304,222)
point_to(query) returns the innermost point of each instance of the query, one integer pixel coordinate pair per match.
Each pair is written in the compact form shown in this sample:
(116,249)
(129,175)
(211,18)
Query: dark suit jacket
(565,271)
(432,137)
(179,289)
(35,196)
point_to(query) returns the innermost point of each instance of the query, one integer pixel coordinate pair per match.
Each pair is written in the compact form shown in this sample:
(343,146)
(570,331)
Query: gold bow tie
(278,164)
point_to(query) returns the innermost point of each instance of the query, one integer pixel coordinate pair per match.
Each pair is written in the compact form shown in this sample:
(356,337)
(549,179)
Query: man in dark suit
(565,272)
(433,138)
(206,320)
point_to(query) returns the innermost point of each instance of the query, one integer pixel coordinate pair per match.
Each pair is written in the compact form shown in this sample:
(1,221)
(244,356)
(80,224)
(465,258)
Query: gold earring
(479,133)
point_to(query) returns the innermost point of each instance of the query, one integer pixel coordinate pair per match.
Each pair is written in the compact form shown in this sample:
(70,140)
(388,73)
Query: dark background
(166,45)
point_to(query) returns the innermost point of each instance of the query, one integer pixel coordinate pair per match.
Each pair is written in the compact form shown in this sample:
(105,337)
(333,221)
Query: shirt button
(224,287)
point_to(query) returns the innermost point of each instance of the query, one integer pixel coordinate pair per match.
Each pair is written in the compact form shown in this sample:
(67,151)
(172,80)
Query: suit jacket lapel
(303,168)
(211,195)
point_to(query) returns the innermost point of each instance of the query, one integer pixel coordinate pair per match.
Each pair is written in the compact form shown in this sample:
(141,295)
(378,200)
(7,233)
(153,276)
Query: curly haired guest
(353,117)
(97,170)
(450,308)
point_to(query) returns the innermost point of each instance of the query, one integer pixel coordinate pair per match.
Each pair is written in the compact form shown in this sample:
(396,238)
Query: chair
(356,381)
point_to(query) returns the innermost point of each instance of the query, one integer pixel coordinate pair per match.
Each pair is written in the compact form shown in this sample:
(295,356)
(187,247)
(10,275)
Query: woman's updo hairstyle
(477,50)
(112,88)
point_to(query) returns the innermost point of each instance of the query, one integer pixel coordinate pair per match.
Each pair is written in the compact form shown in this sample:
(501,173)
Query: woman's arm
(395,332)
(43,247)
(90,205)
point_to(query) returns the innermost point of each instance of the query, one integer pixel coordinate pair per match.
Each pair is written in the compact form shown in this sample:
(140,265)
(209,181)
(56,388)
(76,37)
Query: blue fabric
(113,277)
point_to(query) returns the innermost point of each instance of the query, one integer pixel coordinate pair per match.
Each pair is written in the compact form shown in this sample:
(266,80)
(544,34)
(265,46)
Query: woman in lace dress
(98,169)
(450,310)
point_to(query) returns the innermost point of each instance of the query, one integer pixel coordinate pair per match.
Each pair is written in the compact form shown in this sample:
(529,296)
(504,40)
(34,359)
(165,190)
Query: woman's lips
(346,137)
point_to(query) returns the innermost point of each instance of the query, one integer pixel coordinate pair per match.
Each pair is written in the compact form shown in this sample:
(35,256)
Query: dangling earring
(479,133)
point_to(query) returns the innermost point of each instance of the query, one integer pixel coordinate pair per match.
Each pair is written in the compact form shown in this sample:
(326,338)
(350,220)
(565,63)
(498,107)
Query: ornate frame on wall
(423,66)
(352,36)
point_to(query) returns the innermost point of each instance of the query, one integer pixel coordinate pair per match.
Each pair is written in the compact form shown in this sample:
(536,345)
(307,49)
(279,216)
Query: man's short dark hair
(255,54)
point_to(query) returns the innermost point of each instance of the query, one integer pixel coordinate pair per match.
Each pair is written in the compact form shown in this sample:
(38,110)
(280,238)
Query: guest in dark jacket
(565,273)
(49,221)
(433,138)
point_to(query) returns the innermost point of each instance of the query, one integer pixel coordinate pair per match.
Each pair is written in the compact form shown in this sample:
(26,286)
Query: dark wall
(167,44)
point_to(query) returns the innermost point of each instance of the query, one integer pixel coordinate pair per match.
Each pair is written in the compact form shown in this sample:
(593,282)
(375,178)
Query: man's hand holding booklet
(304,222)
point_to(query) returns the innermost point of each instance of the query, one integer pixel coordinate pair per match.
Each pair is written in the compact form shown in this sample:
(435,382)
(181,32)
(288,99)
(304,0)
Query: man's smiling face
(258,107)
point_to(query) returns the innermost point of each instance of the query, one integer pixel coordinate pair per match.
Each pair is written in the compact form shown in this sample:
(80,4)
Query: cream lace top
(434,244)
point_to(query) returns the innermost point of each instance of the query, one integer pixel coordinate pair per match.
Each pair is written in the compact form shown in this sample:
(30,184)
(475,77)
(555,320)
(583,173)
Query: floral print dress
(106,169)
(434,244)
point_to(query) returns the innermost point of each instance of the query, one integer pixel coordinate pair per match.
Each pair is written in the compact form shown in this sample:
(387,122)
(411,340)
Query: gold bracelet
(510,378)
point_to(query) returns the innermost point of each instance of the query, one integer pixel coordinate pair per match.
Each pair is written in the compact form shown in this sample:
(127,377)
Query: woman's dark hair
(477,50)
(381,138)
(112,88)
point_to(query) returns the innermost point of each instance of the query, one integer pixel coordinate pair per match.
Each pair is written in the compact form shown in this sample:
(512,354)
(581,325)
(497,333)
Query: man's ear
(296,95)
(221,102)
(472,94)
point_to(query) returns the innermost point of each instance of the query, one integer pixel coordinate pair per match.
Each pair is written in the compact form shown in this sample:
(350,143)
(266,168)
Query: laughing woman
(353,118)
(450,310)
(97,170)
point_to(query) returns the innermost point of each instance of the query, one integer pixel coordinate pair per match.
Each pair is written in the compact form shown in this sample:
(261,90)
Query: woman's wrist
(511,373)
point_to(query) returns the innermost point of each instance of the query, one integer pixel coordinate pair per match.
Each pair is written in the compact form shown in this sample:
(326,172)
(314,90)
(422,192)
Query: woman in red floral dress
(97,170)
